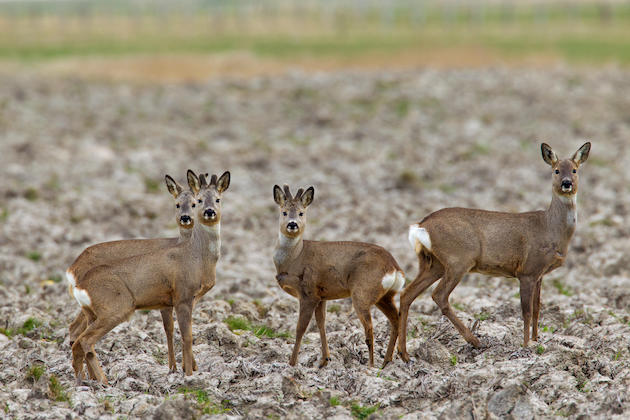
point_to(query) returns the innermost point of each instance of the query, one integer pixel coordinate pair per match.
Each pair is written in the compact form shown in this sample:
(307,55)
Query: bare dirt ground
(83,162)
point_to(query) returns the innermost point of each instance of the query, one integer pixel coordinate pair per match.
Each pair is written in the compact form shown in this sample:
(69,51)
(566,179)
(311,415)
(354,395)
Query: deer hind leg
(528,285)
(388,307)
(363,312)
(94,332)
(320,318)
(424,279)
(77,327)
(307,307)
(536,309)
(167,321)
(440,296)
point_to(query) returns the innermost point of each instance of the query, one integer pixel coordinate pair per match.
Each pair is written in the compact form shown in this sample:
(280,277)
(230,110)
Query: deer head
(208,195)
(565,171)
(292,209)
(184,203)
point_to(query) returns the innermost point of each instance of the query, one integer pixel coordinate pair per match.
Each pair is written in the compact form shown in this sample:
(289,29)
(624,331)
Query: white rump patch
(71,280)
(393,281)
(82,297)
(418,238)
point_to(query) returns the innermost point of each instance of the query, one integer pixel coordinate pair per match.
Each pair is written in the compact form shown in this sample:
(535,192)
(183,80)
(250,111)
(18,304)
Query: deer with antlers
(171,277)
(454,241)
(315,272)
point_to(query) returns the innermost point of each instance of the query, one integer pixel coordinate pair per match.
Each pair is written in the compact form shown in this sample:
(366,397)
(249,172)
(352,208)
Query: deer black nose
(292,226)
(566,184)
(185,219)
(209,214)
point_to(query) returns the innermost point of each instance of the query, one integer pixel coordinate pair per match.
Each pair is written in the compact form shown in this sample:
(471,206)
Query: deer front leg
(320,318)
(167,321)
(307,306)
(528,284)
(440,296)
(184,320)
(536,307)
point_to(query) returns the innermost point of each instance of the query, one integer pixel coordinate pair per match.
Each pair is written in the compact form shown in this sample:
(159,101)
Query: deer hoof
(404,356)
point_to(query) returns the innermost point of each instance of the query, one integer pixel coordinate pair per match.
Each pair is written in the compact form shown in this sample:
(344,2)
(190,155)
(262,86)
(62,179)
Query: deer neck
(287,250)
(562,218)
(206,240)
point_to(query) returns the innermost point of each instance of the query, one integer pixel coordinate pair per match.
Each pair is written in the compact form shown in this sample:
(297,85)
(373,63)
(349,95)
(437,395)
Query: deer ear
(278,195)
(193,181)
(173,187)
(548,155)
(307,197)
(224,182)
(582,154)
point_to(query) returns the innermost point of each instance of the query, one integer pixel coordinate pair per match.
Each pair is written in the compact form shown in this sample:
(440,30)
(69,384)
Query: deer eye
(177,205)
(193,204)
(301,214)
(217,200)
(199,201)
(574,171)
(284,213)
(557,172)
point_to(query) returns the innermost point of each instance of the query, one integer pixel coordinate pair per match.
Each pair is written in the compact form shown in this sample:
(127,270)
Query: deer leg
(167,321)
(77,327)
(94,332)
(440,296)
(528,284)
(536,311)
(320,318)
(307,306)
(363,312)
(184,320)
(388,307)
(424,279)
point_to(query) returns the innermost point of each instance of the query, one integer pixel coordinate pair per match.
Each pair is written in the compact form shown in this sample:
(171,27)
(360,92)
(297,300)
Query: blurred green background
(317,34)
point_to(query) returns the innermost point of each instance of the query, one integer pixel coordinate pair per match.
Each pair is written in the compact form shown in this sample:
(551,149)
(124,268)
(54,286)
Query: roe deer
(454,241)
(107,252)
(171,277)
(315,272)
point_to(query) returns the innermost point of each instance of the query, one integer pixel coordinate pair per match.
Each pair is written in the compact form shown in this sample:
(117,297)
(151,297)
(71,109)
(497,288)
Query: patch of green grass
(27,289)
(540,349)
(230,301)
(9,332)
(453,359)
(482,316)
(334,308)
(618,355)
(34,256)
(151,186)
(550,328)
(334,401)
(29,325)
(4,215)
(205,403)
(458,306)
(402,107)
(362,412)
(35,372)
(57,391)
(562,289)
(31,194)
(259,330)
(56,278)
(237,323)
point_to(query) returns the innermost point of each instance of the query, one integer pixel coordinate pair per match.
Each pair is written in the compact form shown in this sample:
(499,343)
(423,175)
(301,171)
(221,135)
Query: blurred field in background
(126,38)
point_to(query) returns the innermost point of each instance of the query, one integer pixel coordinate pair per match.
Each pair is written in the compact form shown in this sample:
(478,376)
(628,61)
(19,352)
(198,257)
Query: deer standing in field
(108,252)
(315,272)
(172,277)
(454,241)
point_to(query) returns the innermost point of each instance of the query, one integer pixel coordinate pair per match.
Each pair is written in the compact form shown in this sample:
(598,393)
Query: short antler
(287,193)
